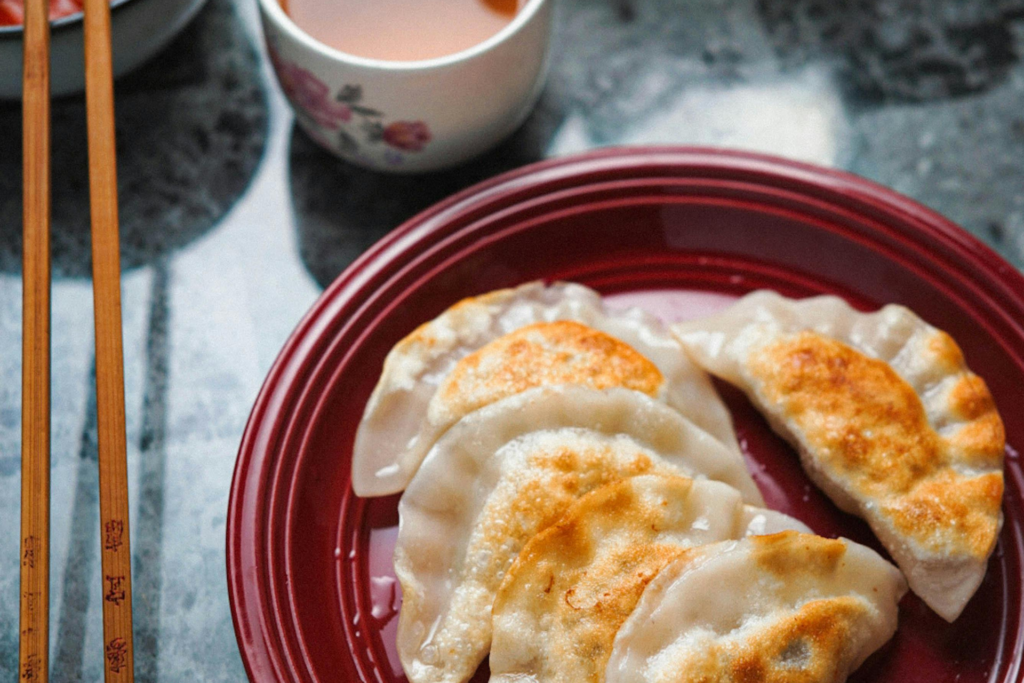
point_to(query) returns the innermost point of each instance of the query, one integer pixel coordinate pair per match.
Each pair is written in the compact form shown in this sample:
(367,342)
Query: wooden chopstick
(33,659)
(106,283)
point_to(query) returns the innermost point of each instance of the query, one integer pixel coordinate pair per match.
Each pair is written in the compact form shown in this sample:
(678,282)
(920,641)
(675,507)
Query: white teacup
(411,116)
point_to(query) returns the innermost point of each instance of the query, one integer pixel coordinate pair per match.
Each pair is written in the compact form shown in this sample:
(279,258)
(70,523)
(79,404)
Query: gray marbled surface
(233,222)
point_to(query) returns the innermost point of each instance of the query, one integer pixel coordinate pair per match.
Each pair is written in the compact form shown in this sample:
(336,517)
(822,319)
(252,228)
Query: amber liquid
(401,30)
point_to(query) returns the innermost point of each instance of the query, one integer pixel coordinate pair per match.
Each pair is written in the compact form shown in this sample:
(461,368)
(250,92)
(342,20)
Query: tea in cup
(401,30)
(408,85)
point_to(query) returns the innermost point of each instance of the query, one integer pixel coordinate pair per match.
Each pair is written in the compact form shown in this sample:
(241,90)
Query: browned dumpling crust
(572,338)
(866,423)
(784,608)
(574,584)
(889,422)
(825,625)
(512,468)
(543,354)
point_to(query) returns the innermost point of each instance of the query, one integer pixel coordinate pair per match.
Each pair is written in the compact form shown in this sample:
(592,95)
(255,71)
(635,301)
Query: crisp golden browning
(981,441)
(811,645)
(506,471)
(408,411)
(972,505)
(944,352)
(591,600)
(562,603)
(867,424)
(970,399)
(552,481)
(783,608)
(527,500)
(888,419)
(580,579)
(600,602)
(789,554)
(544,354)
(854,411)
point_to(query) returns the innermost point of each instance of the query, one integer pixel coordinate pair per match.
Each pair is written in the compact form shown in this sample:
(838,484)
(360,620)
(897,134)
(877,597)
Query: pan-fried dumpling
(787,608)
(887,418)
(413,404)
(505,472)
(574,584)
(541,354)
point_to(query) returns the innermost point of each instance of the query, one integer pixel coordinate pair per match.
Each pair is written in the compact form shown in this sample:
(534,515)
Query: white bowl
(411,116)
(138,29)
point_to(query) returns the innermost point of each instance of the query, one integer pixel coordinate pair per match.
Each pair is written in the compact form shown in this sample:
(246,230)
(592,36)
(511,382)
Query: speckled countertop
(233,222)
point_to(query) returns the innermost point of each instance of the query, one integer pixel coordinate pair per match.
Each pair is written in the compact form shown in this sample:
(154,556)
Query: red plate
(679,231)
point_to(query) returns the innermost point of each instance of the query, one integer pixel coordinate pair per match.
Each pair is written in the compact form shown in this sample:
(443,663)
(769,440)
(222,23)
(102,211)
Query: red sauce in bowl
(12,12)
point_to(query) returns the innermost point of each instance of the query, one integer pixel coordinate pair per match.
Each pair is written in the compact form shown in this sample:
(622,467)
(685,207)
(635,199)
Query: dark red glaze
(679,231)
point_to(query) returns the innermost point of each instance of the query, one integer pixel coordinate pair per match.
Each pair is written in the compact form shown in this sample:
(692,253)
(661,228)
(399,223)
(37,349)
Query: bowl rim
(273,11)
(14,31)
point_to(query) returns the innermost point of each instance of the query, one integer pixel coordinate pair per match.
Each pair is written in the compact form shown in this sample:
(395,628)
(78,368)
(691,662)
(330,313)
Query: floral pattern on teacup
(309,93)
(343,121)
(412,136)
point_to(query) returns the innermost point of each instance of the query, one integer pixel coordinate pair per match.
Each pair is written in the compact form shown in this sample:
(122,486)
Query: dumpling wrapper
(507,471)
(786,608)
(575,583)
(406,414)
(887,418)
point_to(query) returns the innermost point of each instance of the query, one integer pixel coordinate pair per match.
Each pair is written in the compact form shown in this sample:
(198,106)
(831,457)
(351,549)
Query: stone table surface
(233,222)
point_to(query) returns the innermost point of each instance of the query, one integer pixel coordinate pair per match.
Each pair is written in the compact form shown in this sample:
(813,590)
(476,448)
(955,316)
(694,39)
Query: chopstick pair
(113,476)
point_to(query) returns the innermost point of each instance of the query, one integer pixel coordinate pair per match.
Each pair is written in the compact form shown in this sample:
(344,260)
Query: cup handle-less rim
(273,10)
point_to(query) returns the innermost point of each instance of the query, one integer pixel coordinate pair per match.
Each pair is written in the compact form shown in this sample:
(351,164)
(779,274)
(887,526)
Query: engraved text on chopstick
(115,591)
(28,555)
(30,668)
(117,654)
(114,528)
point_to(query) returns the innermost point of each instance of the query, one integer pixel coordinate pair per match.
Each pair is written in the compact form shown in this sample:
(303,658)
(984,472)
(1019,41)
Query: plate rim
(1002,282)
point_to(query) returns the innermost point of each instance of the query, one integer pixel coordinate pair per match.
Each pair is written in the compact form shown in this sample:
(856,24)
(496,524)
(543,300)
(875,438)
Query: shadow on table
(341,210)
(191,128)
(79,572)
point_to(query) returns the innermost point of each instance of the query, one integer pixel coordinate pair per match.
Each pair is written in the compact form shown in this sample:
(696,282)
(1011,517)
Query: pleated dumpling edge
(887,418)
(406,412)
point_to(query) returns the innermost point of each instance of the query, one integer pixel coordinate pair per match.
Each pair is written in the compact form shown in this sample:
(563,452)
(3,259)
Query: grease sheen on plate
(678,232)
